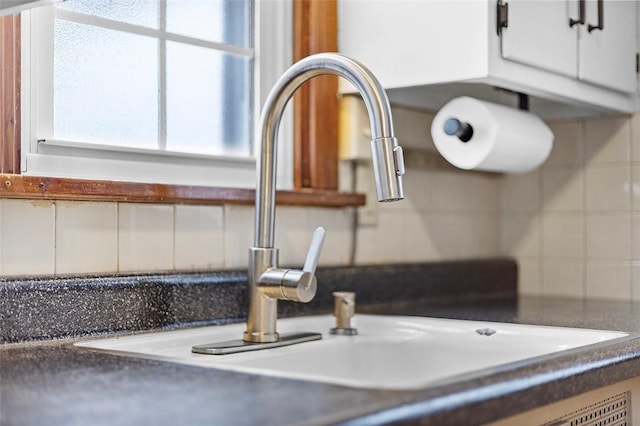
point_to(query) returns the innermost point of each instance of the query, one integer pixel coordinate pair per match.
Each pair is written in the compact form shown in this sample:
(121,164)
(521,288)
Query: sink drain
(485,331)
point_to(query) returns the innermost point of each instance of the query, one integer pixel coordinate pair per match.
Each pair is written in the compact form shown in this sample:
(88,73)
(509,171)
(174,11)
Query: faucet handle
(301,286)
(314,250)
(294,284)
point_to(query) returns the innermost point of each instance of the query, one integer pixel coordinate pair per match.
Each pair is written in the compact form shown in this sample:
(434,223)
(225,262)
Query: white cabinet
(590,40)
(607,56)
(428,51)
(538,34)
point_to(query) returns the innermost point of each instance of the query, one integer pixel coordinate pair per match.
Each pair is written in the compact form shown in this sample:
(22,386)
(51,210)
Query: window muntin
(121,77)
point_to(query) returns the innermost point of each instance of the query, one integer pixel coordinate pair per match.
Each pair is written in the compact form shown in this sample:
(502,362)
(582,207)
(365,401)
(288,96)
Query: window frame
(12,185)
(316,126)
(10,94)
(43,155)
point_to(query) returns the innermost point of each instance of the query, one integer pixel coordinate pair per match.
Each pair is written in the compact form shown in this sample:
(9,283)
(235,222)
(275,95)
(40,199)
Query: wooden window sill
(48,188)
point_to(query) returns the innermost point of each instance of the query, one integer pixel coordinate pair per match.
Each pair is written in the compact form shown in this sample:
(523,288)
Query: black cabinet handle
(600,25)
(581,13)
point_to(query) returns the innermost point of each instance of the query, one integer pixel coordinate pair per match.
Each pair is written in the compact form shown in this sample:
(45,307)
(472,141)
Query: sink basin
(390,352)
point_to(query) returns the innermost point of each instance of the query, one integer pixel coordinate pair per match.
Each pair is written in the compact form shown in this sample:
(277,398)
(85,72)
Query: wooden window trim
(48,188)
(315,113)
(315,130)
(10,94)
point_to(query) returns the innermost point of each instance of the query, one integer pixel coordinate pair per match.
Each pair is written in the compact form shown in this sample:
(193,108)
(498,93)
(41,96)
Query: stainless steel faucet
(268,282)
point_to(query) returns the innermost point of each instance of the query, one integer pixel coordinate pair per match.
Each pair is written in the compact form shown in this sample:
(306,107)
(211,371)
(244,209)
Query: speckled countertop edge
(44,308)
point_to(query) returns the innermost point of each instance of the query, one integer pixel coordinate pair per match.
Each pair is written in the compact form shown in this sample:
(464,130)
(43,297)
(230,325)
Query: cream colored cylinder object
(503,139)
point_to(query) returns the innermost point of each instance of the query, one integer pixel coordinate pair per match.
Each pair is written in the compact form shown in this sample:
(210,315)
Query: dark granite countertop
(52,383)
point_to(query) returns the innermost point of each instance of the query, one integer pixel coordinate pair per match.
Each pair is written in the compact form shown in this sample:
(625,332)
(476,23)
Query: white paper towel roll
(498,138)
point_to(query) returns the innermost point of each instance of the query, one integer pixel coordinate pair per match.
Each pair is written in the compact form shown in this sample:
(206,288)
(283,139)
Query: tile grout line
(540,241)
(55,236)
(117,236)
(585,228)
(1,261)
(224,231)
(225,215)
(631,221)
(174,213)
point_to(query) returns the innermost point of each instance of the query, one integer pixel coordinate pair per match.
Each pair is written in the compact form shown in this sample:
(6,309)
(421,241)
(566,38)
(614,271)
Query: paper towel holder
(455,127)
(505,139)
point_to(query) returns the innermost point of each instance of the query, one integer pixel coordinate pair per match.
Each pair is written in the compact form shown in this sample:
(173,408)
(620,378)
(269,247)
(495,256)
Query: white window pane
(222,21)
(137,12)
(208,101)
(105,86)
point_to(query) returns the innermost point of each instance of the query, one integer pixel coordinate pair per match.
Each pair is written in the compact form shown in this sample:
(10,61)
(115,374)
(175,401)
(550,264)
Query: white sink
(390,352)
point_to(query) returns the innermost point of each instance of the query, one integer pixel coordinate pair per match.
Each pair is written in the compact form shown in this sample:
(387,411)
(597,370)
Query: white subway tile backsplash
(293,234)
(483,237)
(483,191)
(521,192)
(635,245)
(635,281)
(529,280)
(445,235)
(338,241)
(459,191)
(567,145)
(418,191)
(563,278)
(448,191)
(86,237)
(145,237)
(590,188)
(462,235)
(635,138)
(563,236)
(366,250)
(520,234)
(199,237)
(634,187)
(608,140)
(419,238)
(27,237)
(238,235)
(608,188)
(609,236)
(563,190)
(383,243)
(608,280)
(389,242)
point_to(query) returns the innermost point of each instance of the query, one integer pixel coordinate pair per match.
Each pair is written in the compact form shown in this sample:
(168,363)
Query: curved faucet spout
(386,153)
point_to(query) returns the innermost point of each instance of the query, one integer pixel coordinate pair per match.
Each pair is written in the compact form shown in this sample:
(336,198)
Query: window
(163,91)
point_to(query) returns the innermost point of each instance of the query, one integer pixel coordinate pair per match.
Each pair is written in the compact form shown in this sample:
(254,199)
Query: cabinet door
(607,55)
(539,35)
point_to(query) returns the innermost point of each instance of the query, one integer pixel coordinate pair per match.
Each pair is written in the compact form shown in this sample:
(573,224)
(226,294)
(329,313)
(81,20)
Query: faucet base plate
(235,346)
